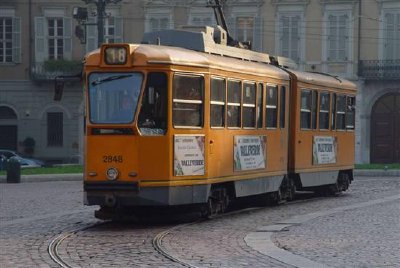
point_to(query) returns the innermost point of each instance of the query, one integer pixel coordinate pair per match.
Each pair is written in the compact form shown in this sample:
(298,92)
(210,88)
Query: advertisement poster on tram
(249,152)
(324,150)
(188,155)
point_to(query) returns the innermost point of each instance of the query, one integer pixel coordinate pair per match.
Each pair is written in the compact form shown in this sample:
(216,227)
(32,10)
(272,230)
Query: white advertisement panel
(188,155)
(249,152)
(324,150)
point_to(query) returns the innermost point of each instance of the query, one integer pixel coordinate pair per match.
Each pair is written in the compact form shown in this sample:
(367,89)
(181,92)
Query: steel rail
(52,248)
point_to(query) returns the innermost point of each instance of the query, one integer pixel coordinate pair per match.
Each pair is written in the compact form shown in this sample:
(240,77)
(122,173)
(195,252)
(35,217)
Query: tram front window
(113,97)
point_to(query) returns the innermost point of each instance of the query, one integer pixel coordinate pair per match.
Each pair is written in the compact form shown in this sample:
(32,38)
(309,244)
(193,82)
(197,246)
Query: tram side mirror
(58,89)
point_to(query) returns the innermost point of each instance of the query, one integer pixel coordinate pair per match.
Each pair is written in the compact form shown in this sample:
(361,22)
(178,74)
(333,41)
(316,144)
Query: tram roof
(322,79)
(145,54)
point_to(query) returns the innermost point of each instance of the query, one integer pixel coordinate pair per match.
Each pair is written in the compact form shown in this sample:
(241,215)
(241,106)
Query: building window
(55,132)
(158,18)
(272,107)
(10,48)
(245,29)
(158,24)
(289,41)
(5,40)
(113,31)
(55,38)
(188,93)
(218,97)
(338,36)
(392,35)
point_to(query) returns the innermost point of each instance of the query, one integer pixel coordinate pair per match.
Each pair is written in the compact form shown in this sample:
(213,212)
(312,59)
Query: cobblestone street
(356,229)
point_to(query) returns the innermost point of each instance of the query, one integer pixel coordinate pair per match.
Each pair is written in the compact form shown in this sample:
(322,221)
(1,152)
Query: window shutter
(285,33)
(118,37)
(40,39)
(91,38)
(67,38)
(397,38)
(343,38)
(295,38)
(16,42)
(389,36)
(258,34)
(332,38)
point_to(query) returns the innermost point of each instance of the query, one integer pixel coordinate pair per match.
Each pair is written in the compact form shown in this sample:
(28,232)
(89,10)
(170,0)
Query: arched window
(7,113)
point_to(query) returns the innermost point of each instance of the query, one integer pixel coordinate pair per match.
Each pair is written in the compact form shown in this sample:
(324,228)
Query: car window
(7,154)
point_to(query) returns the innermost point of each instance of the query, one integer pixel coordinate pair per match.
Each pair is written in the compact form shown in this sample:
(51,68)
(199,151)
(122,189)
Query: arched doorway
(385,129)
(8,128)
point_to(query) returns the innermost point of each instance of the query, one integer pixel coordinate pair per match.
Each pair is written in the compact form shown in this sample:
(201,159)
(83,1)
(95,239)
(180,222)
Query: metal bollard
(13,170)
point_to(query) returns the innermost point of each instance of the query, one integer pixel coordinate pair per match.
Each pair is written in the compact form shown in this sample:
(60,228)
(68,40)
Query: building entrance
(8,130)
(385,129)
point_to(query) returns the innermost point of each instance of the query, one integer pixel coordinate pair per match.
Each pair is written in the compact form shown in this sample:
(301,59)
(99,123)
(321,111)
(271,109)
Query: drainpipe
(31,42)
(359,39)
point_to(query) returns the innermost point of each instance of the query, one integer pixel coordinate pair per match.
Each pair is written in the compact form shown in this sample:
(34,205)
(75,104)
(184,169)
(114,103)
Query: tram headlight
(112,174)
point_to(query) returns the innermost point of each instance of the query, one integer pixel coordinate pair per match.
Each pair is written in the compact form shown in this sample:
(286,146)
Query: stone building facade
(355,39)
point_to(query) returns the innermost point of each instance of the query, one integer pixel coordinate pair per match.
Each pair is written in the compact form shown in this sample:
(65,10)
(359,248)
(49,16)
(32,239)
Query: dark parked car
(25,162)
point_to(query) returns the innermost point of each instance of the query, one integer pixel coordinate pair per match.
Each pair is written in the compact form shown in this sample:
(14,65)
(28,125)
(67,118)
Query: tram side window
(188,94)
(153,112)
(260,97)
(272,107)
(234,100)
(333,111)
(282,107)
(249,105)
(341,112)
(218,97)
(314,109)
(350,115)
(324,103)
(305,112)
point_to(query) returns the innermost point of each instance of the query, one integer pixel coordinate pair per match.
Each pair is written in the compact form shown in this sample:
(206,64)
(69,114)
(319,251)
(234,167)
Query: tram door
(385,130)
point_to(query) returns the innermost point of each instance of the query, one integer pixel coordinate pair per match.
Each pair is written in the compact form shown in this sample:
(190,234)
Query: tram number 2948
(112,159)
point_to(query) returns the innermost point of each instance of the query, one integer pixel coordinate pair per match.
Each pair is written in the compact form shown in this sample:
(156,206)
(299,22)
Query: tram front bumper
(130,194)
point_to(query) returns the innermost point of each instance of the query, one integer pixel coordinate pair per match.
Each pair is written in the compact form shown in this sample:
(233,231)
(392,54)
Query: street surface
(357,229)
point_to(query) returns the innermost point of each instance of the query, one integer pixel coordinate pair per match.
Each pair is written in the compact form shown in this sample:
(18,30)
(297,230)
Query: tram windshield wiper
(110,78)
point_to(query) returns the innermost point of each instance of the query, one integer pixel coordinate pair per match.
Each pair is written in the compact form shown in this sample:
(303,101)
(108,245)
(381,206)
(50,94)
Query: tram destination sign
(249,152)
(189,155)
(324,150)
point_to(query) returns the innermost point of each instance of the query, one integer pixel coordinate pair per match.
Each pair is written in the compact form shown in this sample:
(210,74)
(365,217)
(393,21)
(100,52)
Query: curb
(377,172)
(47,177)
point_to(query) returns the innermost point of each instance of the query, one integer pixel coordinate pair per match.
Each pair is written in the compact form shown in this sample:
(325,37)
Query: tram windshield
(113,97)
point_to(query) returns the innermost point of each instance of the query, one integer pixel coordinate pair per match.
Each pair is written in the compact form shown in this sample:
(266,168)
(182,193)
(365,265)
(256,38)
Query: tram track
(157,240)
(55,243)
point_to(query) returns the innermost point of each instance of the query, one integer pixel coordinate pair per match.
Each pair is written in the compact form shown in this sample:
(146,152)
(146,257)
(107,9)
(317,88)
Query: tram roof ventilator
(213,41)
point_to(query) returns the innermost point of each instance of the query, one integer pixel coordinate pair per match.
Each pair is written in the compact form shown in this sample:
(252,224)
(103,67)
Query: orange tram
(185,120)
